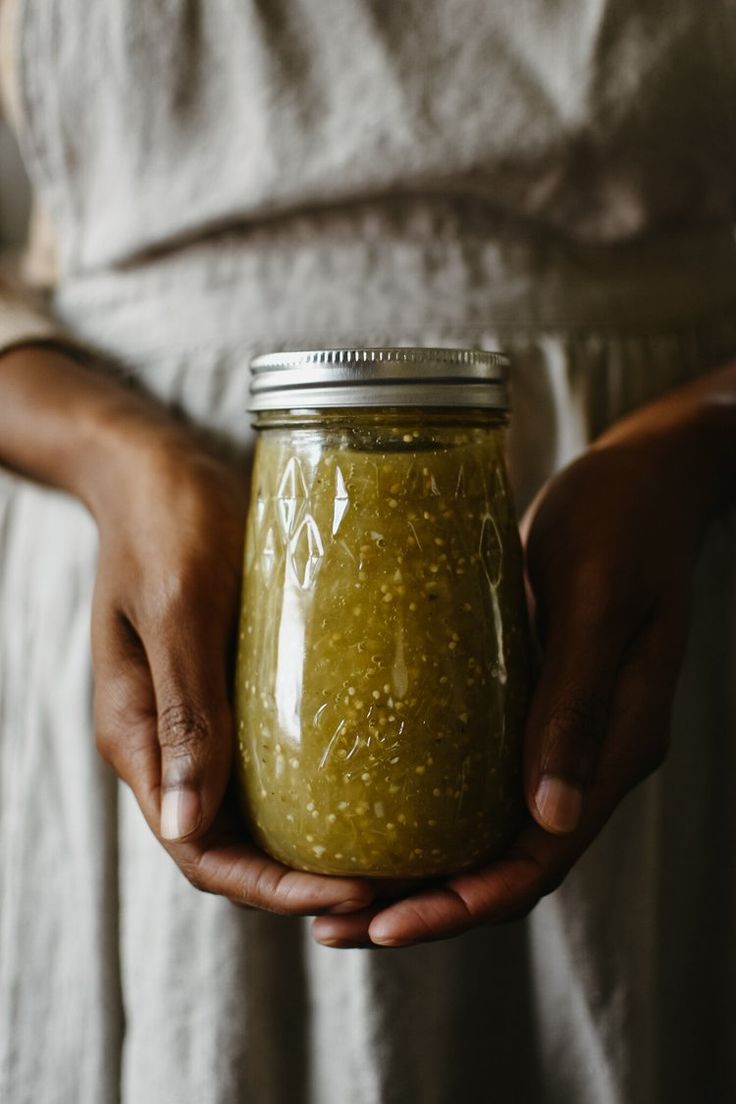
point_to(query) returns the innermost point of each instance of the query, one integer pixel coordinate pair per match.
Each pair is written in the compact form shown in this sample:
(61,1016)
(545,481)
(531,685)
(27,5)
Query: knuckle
(575,714)
(182,729)
(271,889)
(594,590)
(570,734)
(169,597)
(267,889)
(193,874)
(588,598)
(177,591)
(195,881)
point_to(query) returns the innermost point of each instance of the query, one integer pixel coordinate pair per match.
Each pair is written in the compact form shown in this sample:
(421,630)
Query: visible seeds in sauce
(397,719)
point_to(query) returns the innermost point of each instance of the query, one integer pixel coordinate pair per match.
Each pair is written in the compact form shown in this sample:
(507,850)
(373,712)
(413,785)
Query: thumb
(194,723)
(567,721)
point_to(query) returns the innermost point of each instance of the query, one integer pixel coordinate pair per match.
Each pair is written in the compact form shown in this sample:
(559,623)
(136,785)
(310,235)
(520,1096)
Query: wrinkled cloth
(119,982)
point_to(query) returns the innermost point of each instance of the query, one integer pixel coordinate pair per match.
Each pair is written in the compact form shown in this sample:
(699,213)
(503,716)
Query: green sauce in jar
(382,675)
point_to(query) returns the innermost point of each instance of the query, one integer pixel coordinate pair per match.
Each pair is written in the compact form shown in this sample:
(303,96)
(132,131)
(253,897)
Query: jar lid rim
(380,376)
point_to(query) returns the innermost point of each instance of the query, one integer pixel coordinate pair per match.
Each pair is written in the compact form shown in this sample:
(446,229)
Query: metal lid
(321,378)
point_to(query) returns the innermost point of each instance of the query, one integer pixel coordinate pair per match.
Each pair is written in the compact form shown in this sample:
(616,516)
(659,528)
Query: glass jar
(382,672)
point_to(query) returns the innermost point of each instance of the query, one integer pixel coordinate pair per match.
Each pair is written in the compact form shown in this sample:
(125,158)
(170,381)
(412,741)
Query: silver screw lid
(418,377)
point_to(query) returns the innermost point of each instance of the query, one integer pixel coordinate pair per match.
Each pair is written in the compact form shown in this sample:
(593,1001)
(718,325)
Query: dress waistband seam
(417,334)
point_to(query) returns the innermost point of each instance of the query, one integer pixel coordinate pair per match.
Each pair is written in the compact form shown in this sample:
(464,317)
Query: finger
(506,890)
(352,930)
(219,862)
(640,714)
(125,708)
(538,862)
(567,718)
(187,649)
(346,931)
(250,878)
(125,715)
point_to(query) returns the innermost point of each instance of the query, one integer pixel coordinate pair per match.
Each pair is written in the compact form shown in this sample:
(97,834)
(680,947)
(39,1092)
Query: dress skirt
(119,982)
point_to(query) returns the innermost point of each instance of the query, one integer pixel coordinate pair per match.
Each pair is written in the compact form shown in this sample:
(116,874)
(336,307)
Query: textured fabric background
(601,119)
(373,173)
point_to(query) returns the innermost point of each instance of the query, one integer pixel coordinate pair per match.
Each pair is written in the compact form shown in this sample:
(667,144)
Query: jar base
(408,875)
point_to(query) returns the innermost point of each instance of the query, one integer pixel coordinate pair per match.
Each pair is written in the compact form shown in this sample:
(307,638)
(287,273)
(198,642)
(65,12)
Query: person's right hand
(170,517)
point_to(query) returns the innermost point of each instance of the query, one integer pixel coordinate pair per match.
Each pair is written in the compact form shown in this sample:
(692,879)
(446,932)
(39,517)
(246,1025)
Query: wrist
(69,426)
(118,436)
(692,431)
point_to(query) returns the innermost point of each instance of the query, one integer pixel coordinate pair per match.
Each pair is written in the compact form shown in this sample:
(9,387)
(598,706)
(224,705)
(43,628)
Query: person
(222,179)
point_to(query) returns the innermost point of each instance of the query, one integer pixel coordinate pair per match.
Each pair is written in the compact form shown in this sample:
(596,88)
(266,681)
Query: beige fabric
(24,314)
(146,992)
(9,106)
(25,285)
(227,177)
(597,121)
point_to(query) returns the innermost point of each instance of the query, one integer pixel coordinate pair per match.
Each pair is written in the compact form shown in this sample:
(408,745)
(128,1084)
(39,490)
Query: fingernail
(389,941)
(180,813)
(383,937)
(559,804)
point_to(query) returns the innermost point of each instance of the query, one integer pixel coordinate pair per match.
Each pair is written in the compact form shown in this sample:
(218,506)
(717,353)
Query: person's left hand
(611,544)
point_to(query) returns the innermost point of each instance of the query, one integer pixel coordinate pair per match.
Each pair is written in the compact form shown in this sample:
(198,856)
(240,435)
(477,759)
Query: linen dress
(224,178)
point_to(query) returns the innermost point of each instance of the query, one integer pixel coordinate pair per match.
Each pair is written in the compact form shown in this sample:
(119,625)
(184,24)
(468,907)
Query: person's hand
(170,516)
(611,544)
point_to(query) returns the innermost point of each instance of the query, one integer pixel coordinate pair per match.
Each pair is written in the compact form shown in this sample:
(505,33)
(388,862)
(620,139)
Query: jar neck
(411,417)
